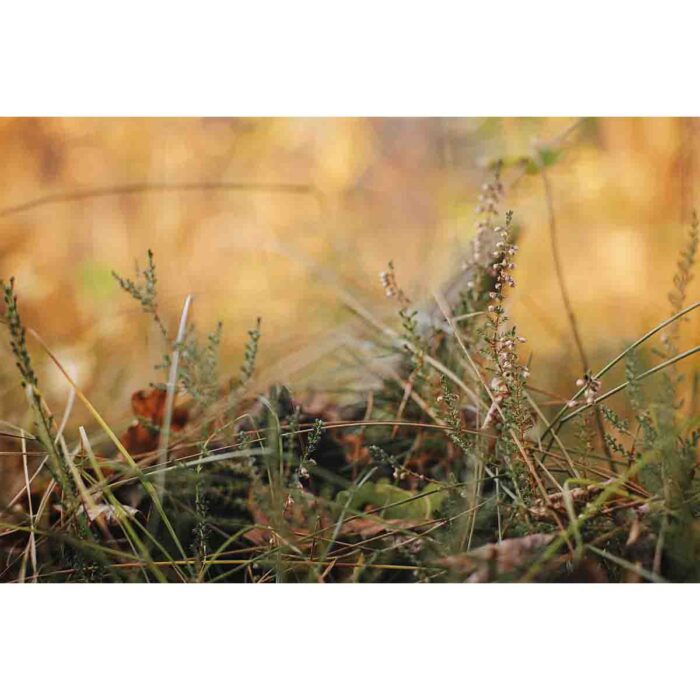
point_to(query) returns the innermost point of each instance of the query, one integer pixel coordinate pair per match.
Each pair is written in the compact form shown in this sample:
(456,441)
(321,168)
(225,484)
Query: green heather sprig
(382,458)
(45,430)
(453,418)
(144,290)
(686,262)
(415,344)
(312,444)
(201,528)
(681,281)
(18,339)
(198,369)
(251,353)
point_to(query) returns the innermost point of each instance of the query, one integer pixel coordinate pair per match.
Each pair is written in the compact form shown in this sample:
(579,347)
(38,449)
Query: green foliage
(306,463)
(144,290)
(57,461)
(453,417)
(391,502)
(18,339)
(198,369)
(447,460)
(251,353)
(545,158)
(686,263)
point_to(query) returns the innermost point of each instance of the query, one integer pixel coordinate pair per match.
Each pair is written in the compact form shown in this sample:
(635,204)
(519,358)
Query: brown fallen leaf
(365,528)
(149,408)
(580,496)
(486,563)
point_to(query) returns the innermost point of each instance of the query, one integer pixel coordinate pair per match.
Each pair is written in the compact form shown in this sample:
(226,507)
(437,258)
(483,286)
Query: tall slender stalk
(585,365)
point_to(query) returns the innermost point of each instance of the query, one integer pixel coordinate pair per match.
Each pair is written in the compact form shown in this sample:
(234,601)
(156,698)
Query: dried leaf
(542,510)
(365,528)
(110,513)
(488,562)
(149,409)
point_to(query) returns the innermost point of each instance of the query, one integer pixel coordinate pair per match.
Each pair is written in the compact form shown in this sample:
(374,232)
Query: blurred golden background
(367,191)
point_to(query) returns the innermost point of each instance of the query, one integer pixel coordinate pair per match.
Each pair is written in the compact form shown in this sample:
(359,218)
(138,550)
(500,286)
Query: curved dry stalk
(620,387)
(568,306)
(566,299)
(145,187)
(621,356)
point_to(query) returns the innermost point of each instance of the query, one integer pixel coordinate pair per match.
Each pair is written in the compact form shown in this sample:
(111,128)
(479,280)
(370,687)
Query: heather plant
(452,468)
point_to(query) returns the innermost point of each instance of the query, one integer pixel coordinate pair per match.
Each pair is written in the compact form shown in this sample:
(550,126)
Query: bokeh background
(377,189)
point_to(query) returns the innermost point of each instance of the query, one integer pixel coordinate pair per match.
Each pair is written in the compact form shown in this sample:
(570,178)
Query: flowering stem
(643,375)
(556,420)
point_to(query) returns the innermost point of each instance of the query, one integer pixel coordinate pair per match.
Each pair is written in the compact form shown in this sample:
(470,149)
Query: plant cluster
(454,470)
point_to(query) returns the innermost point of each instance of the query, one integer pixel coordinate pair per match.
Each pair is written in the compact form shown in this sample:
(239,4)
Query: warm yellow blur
(400,189)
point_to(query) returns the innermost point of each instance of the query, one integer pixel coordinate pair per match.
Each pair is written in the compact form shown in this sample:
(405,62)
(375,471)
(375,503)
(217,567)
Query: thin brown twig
(567,303)
(145,187)
(559,270)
